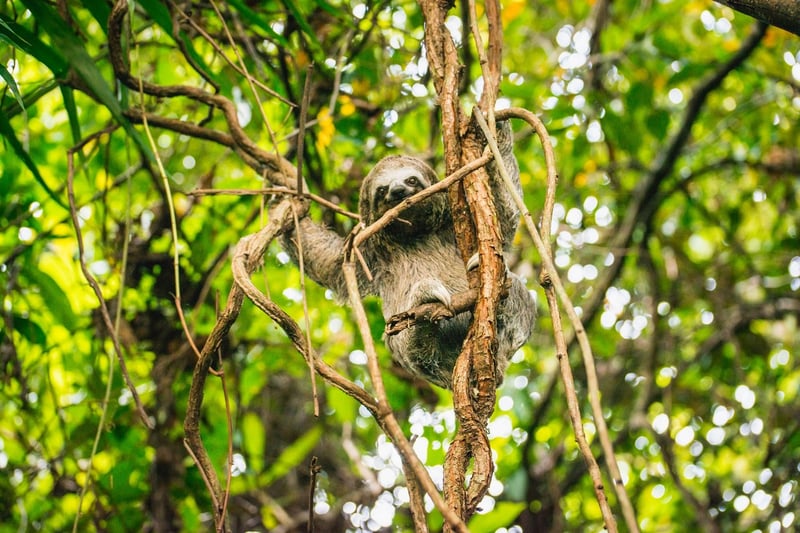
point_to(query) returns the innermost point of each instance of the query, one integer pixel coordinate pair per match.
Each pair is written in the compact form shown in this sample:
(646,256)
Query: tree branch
(784,14)
(645,199)
(554,290)
(435,311)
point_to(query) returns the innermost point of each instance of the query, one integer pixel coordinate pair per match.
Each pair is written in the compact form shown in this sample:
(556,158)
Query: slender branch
(384,414)
(240,68)
(276,190)
(301,124)
(554,290)
(104,313)
(645,199)
(281,171)
(313,470)
(249,253)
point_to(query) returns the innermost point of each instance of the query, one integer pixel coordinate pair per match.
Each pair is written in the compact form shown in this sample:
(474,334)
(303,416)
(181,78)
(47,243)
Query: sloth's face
(395,185)
(391,181)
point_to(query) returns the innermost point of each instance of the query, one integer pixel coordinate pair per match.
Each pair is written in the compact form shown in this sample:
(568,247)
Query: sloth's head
(391,181)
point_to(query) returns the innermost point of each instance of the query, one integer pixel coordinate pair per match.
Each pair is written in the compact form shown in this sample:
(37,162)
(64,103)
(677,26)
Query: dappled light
(167,365)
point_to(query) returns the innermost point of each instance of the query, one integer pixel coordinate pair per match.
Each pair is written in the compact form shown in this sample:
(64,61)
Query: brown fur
(415,260)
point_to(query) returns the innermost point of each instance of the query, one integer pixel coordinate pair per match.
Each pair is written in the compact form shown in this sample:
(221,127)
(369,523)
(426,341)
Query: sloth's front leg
(432,290)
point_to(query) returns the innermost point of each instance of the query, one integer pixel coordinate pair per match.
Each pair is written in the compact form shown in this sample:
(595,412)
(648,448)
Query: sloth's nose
(398,193)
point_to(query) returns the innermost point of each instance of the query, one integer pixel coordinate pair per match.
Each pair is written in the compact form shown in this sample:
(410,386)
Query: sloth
(415,260)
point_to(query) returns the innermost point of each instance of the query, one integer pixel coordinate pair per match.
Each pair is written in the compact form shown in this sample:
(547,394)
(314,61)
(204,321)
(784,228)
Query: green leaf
(72,112)
(326,6)
(618,131)
(99,10)
(304,25)
(6,30)
(667,46)
(502,514)
(292,456)
(260,22)
(690,71)
(657,123)
(57,301)
(22,38)
(640,95)
(6,75)
(80,60)
(7,131)
(30,330)
(252,426)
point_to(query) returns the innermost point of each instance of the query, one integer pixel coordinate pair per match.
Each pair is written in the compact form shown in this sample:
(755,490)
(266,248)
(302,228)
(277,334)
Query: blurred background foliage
(680,246)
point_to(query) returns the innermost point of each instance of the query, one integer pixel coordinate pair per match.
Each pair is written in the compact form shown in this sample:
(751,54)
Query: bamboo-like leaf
(303,23)
(7,131)
(84,65)
(30,330)
(6,30)
(99,10)
(72,112)
(21,38)
(257,20)
(292,456)
(57,301)
(12,84)
(326,6)
(159,13)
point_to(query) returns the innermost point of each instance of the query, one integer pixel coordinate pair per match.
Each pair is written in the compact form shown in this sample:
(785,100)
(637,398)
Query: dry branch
(385,416)
(554,291)
(435,311)
(475,224)
(247,256)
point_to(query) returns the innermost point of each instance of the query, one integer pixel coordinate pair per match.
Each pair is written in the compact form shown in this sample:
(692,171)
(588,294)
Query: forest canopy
(142,141)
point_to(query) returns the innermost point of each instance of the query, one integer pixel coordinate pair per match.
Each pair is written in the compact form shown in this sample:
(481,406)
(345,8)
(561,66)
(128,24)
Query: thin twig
(241,68)
(298,234)
(301,124)
(306,316)
(96,288)
(226,495)
(554,287)
(248,254)
(173,224)
(392,214)
(385,416)
(279,168)
(110,376)
(251,83)
(313,470)
(276,190)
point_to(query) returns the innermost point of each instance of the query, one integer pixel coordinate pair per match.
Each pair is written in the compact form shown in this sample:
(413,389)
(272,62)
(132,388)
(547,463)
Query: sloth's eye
(413,180)
(381,191)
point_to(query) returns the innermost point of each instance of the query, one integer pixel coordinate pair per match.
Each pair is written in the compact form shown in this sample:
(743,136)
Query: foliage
(681,251)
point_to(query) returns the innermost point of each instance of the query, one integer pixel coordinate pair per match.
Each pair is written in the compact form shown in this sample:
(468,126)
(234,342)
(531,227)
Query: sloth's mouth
(398,197)
(396,200)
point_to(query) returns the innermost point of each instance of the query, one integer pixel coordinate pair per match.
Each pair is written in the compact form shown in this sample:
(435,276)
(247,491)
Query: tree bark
(784,14)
